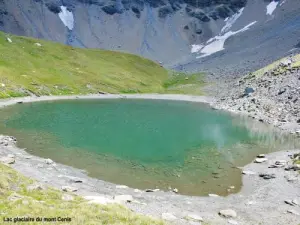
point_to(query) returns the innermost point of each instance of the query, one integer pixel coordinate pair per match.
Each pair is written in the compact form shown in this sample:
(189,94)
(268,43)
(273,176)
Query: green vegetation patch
(17,201)
(30,66)
(181,83)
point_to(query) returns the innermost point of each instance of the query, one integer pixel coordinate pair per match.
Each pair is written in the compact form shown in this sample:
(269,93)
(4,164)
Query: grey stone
(194,217)
(35,187)
(49,161)
(168,216)
(228,213)
(69,188)
(123,198)
(233,222)
(292,211)
(248,172)
(260,160)
(7,160)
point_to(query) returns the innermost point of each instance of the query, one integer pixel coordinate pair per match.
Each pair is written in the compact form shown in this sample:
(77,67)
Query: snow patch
(271,7)
(216,44)
(66,17)
(196,48)
(282,2)
(231,20)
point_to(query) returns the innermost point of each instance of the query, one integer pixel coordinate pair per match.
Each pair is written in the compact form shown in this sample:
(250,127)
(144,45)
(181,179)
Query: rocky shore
(271,95)
(270,192)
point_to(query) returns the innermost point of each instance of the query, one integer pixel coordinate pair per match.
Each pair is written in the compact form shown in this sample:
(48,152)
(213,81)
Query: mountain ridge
(188,35)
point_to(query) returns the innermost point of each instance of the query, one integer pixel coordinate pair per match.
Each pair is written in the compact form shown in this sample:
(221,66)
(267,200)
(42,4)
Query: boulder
(168,216)
(151,190)
(248,172)
(14,197)
(228,213)
(248,90)
(7,160)
(194,218)
(233,222)
(123,198)
(267,176)
(213,195)
(69,189)
(121,186)
(35,187)
(48,161)
(260,160)
(292,211)
(175,190)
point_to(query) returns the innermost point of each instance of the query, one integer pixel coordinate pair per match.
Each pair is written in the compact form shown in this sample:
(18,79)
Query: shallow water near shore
(144,143)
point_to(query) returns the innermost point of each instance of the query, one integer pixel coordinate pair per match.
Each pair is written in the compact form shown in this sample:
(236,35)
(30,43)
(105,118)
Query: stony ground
(270,195)
(270,95)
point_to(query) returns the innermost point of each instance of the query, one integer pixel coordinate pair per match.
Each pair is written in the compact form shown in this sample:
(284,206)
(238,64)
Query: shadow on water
(145,143)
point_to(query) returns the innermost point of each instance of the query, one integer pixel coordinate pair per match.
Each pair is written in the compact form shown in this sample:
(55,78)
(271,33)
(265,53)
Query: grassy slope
(48,203)
(273,65)
(60,70)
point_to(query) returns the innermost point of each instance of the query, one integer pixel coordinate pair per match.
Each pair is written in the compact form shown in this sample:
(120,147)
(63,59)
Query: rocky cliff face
(183,34)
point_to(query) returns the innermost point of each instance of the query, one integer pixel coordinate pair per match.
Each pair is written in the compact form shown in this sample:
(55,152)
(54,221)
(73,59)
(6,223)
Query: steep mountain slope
(34,67)
(188,35)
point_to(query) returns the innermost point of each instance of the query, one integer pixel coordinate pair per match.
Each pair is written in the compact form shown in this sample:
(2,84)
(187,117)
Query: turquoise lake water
(144,143)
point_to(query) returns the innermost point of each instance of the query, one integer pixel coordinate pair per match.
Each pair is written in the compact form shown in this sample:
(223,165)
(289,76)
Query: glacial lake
(144,143)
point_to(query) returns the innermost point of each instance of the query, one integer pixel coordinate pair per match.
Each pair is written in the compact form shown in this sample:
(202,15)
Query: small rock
(261,156)
(290,178)
(151,190)
(69,188)
(48,161)
(232,187)
(293,212)
(137,191)
(28,157)
(121,186)
(2,85)
(168,216)
(291,202)
(35,187)
(9,40)
(228,213)
(7,160)
(293,167)
(38,44)
(66,197)
(175,190)
(260,160)
(14,197)
(233,222)
(194,217)
(213,195)
(123,198)
(11,156)
(267,176)
(248,172)
(40,165)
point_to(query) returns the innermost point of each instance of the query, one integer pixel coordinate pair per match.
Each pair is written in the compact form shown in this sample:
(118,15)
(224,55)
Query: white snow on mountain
(217,43)
(271,7)
(231,20)
(66,17)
